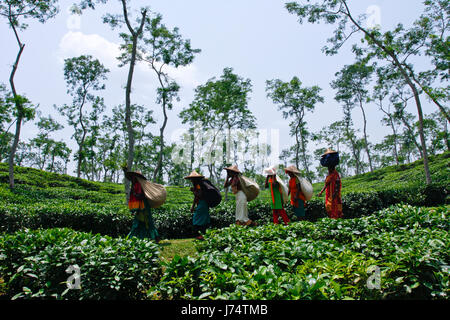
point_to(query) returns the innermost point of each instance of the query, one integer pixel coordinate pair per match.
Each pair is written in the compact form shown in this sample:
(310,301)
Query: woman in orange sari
(333,200)
(297,197)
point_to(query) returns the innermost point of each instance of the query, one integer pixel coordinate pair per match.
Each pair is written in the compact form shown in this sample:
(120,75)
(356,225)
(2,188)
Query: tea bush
(47,200)
(95,212)
(329,259)
(33,265)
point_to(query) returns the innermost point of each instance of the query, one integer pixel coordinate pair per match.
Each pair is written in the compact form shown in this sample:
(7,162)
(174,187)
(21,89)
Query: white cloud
(188,76)
(145,82)
(185,76)
(75,43)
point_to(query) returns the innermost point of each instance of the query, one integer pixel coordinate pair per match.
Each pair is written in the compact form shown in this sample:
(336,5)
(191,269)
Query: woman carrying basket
(143,225)
(333,185)
(201,219)
(295,190)
(233,180)
(276,191)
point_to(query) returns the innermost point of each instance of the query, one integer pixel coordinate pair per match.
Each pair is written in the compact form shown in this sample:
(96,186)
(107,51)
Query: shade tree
(396,46)
(294,100)
(84,76)
(16,12)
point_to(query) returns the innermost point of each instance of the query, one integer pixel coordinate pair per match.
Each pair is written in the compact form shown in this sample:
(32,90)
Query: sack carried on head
(306,187)
(211,193)
(249,187)
(272,171)
(284,190)
(154,192)
(330,158)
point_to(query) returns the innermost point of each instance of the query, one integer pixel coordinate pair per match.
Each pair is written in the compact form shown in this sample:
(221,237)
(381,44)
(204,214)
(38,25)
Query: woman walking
(295,191)
(201,219)
(277,196)
(233,180)
(143,225)
(333,186)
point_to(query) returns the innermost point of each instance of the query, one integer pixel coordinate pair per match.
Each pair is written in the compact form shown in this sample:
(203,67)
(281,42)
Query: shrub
(83,210)
(33,265)
(329,259)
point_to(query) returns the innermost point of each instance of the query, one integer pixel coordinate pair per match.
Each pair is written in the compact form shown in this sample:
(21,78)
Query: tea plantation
(392,244)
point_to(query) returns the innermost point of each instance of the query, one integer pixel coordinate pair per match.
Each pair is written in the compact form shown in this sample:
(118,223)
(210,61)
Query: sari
(298,206)
(333,203)
(201,216)
(277,203)
(143,225)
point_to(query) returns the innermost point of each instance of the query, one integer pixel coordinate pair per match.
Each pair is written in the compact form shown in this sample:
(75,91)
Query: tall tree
(165,48)
(221,105)
(435,127)
(294,100)
(129,47)
(394,46)
(351,85)
(15,11)
(355,144)
(431,32)
(42,141)
(83,75)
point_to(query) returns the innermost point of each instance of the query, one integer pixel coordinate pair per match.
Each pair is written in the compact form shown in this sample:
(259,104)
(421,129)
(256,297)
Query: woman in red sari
(333,200)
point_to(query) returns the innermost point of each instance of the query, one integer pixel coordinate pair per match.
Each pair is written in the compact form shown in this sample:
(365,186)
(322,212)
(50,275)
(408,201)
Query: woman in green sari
(200,207)
(143,225)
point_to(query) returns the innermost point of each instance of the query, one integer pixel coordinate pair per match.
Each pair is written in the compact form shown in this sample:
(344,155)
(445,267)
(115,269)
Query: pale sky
(259,39)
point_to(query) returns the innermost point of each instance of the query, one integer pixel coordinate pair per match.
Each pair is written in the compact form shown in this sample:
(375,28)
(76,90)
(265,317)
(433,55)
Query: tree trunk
(157,173)
(191,166)
(81,144)
(422,136)
(19,107)
(297,146)
(366,143)
(447,141)
(391,123)
(228,153)
(347,121)
(397,161)
(305,162)
(130,131)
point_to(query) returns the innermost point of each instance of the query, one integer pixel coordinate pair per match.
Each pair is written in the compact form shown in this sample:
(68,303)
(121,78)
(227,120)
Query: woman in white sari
(241,199)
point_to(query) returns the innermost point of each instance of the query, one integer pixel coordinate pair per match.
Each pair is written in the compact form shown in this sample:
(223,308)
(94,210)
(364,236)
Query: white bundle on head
(270,171)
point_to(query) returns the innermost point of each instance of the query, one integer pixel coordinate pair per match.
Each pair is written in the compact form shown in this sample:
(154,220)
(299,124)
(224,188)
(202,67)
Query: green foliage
(46,200)
(43,179)
(316,259)
(39,10)
(330,259)
(33,265)
(294,100)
